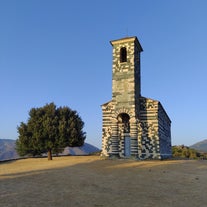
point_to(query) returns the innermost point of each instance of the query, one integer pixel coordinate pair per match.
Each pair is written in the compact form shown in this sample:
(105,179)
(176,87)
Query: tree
(184,152)
(50,129)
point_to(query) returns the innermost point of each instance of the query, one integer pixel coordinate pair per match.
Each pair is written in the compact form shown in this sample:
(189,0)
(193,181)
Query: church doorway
(127,146)
(124,127)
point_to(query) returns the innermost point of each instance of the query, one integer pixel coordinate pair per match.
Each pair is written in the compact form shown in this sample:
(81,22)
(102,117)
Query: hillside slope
(7,150)
(200,146)
(86,149)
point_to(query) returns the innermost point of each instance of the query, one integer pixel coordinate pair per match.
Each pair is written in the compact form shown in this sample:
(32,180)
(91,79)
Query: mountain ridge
(200,146)
(8,152)
(7,149)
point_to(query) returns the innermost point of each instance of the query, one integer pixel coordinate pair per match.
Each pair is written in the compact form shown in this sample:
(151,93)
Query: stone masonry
(133,126)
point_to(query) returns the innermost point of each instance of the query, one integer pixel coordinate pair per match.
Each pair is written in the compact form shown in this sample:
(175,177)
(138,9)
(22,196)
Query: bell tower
(121,114)
(132,125)
(126,86)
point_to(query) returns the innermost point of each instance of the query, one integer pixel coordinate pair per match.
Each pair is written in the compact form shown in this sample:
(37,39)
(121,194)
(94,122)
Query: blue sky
(59,51)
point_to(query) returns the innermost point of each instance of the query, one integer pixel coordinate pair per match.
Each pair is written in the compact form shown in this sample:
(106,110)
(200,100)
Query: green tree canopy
(185,152)
(50,129)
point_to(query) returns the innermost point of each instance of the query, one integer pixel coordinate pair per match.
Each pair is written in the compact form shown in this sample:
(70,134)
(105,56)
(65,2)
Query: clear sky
(59,51)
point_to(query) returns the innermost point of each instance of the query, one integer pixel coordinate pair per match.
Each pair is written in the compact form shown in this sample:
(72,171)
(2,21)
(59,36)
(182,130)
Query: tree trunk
(49,154)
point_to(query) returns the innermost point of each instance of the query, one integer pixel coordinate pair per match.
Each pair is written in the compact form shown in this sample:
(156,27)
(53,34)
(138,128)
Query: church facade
(133,125)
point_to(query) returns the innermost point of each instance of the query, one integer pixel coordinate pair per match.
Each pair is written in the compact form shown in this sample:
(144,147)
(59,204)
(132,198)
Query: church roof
(105,104)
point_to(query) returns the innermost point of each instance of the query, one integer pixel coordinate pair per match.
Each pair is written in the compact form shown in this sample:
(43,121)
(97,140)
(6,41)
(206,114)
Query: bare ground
(91,182)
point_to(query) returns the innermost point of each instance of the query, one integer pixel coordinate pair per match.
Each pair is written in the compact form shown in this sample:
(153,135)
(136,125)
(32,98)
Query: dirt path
(92,182)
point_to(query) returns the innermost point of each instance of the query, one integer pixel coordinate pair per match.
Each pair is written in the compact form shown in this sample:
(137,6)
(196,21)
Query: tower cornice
(127,39)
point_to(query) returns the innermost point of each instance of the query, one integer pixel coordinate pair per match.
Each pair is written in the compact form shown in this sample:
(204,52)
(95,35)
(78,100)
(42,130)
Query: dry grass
(92,182)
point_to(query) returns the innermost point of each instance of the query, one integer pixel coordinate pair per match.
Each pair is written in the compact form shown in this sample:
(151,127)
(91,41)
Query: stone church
(133,125)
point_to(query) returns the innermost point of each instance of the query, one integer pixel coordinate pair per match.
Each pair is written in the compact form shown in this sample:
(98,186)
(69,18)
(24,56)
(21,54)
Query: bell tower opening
(123,55)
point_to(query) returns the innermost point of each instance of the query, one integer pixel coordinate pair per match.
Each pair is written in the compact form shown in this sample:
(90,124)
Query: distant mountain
(86,149)
(200,146)
(7,150)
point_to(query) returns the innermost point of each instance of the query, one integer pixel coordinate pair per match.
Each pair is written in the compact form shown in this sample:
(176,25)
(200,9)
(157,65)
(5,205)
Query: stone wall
(126,75)
(154,135)
(113,134)
(148,133)
(106,129)
(164,133)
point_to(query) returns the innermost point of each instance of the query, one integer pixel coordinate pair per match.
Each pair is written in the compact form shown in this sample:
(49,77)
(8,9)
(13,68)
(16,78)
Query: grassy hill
(83,181)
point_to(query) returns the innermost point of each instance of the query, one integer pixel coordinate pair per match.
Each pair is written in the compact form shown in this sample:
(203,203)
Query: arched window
(123,55)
